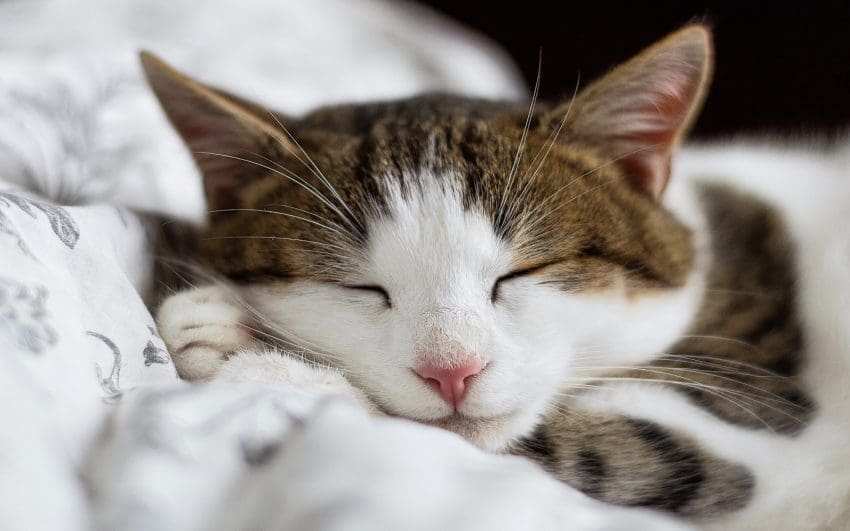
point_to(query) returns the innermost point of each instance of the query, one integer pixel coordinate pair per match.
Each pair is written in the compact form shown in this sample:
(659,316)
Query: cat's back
(806,191)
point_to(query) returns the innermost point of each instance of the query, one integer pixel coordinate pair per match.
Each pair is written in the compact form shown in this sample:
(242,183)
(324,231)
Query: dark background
(782,68)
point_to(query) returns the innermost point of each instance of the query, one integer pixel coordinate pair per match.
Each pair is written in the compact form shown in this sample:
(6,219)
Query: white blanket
(97,430)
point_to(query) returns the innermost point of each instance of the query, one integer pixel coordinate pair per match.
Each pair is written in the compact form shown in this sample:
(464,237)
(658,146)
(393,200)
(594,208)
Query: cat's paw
(275,367)
(202,327)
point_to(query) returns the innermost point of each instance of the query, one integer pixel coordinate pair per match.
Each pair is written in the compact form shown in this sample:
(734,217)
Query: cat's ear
(229,137)
(640,110)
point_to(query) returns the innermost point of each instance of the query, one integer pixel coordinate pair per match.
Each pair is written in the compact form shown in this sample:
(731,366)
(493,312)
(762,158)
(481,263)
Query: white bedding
(97,430)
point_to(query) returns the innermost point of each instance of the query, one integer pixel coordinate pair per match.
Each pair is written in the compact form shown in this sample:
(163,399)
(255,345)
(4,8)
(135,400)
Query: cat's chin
(488,433)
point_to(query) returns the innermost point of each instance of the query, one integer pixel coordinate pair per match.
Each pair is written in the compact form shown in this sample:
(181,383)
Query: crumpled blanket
(97,430)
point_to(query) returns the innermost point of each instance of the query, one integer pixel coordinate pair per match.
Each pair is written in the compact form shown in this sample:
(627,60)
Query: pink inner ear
(649,168)
(222,176)
(647,173)
(217,142)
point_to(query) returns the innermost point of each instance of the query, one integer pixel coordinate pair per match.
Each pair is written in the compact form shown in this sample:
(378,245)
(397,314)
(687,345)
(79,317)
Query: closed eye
(374,288)
(494,293)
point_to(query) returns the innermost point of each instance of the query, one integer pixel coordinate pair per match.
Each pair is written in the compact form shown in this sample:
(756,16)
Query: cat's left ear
(231,139)
(639,111)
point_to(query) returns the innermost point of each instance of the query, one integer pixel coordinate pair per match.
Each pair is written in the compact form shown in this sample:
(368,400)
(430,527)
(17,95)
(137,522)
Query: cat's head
(462,261)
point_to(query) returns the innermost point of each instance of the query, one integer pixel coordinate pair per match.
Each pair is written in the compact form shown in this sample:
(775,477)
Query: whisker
(315,168)
(283,238)
(730,366)
(761,393)
(277,213)
(720,392)
(289,175)
(553,138)
(726,339)
(557,193)
(712,390)
(292,175)
(316,216)
(524,136)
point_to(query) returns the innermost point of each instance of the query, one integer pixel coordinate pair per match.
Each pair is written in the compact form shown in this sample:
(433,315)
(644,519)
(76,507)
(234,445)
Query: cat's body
(514,279)
(800,473)
(773,228)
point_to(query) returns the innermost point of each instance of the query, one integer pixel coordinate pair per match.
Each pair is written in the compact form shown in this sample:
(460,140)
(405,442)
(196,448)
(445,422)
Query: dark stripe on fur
(634,462)
(538,445)
(745,347)
(684,468)
(591,466)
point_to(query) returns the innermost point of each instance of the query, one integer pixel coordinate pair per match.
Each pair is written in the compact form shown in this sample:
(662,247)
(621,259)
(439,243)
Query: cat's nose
(451,383)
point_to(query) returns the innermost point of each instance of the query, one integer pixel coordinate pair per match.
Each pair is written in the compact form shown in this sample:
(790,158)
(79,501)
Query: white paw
(275,367)
(201,328)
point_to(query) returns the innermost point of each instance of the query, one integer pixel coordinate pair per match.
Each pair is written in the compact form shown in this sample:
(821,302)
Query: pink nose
(451,382)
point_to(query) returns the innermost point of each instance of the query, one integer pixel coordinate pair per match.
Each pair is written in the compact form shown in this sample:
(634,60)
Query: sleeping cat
(519,275)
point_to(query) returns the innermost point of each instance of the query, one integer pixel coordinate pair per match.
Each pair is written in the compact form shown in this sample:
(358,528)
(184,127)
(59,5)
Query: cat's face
(463,262)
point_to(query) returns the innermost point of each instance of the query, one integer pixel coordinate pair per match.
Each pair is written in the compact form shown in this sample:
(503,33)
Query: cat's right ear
(229,137)
(640,110)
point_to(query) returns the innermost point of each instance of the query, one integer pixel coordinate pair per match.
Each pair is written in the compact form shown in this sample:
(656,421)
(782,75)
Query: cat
(529,277)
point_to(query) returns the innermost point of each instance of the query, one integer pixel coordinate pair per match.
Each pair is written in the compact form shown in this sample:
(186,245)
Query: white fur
(438,262)
(273,367)
(201,328)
